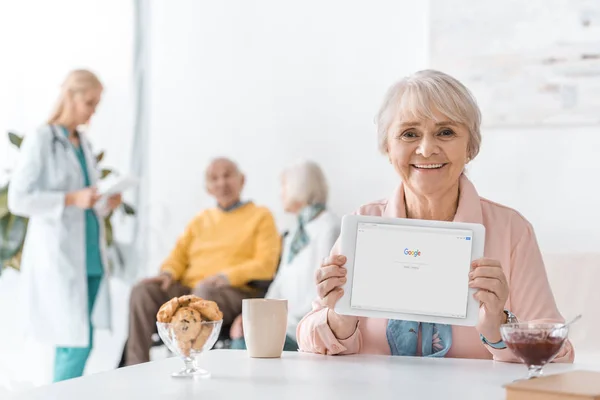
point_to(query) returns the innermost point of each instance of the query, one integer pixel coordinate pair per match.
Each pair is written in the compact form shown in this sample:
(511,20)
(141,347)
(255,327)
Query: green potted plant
(13,228)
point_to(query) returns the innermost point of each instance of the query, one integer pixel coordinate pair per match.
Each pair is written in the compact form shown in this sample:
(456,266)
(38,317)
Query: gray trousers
(146,299)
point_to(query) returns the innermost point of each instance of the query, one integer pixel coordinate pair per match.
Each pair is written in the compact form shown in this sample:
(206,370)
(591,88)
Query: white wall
(551,176)
(41,42)
(267,82)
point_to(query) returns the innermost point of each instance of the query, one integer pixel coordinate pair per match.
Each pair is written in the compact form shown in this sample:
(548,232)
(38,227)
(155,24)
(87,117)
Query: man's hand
(165,279)
(216,281)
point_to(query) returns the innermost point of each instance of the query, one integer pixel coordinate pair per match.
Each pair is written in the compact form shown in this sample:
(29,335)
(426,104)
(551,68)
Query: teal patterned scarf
(301,239)
(402,337)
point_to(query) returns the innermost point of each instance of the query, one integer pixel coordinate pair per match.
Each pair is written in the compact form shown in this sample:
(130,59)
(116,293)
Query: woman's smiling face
(428,154)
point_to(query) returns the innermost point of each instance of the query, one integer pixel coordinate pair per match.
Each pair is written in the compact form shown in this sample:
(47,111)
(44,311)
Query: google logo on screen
(412,253)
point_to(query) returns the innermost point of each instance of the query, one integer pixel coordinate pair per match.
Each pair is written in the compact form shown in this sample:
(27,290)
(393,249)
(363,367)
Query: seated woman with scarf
(304,194)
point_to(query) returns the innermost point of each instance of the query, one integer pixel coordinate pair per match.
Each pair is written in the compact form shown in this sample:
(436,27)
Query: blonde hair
(78,81)
(418,95)
(305,183)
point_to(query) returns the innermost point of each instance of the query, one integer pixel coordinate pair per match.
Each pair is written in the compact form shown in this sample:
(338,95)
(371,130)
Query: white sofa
(575,281)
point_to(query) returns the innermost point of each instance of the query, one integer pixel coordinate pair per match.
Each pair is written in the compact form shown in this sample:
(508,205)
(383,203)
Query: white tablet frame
(348,248)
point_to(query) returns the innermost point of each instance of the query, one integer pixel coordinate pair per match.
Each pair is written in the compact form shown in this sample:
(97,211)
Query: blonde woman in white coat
(64,257)
(304,194)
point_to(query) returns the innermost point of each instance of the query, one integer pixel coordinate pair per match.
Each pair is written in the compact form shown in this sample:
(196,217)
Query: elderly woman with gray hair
(304,194)
(429,128)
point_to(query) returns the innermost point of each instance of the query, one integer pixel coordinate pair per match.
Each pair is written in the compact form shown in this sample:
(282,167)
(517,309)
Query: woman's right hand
(330,278)
(84,198)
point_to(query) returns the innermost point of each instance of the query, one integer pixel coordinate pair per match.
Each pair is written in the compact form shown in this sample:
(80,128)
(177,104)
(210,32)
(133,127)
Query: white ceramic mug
(265,323)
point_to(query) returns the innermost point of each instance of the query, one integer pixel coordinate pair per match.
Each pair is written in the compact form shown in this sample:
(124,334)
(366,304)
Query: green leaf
(15,262)
(4,201)
(119,254)
(15,139)
(108,231)
(105,173)
(128,209)
(13,230)
(99,157)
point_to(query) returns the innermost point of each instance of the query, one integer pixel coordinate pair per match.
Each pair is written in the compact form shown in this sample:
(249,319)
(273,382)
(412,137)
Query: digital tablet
(408,269)
(114,185)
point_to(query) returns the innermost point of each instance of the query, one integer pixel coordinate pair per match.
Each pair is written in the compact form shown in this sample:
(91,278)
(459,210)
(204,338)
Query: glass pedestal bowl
(188,343)
(536,344)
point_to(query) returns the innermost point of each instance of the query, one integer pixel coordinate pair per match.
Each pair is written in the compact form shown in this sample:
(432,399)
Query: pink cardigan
(509,239)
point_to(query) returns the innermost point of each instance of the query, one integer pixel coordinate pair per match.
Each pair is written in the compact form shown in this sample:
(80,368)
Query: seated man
(221,250)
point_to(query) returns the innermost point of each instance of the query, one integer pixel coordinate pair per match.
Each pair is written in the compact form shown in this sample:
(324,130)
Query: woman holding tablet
(429,128)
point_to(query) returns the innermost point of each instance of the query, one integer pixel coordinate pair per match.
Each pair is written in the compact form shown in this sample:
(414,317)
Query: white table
(299,376)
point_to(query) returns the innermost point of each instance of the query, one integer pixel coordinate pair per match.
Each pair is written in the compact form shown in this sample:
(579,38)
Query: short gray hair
(305,182)
(419,94)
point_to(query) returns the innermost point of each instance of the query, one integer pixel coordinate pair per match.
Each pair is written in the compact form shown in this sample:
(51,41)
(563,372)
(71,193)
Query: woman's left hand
(237,328)
(487,276)
(114,201)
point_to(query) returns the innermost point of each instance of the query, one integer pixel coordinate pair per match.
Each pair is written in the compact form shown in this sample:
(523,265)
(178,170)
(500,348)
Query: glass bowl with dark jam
(536,344)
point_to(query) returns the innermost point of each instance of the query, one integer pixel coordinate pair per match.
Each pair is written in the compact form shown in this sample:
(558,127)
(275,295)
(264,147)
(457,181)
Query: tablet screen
(414,270)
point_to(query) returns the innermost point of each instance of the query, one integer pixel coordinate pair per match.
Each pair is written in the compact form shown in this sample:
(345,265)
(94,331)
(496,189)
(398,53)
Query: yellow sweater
(242,244)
